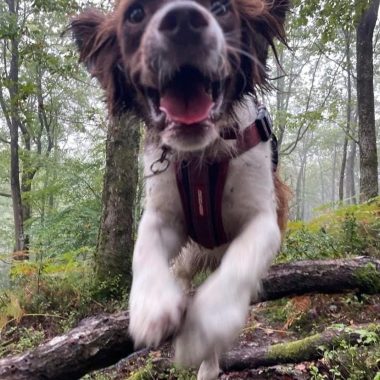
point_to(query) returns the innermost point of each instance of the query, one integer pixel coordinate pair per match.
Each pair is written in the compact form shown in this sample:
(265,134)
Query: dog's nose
(183,24)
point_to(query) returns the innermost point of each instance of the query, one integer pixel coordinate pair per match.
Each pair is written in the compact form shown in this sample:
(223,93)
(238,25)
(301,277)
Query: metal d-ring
(160,165)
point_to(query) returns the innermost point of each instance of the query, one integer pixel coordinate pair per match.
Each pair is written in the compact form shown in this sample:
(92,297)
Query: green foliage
(62,286)
(352,362)
(369,278)
(348,231)
(152,371)
(68,230)
(53,286)
(329,15)
(17,340)
(303,244)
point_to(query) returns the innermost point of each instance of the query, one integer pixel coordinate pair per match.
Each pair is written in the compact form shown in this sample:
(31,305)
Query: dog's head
(180,64)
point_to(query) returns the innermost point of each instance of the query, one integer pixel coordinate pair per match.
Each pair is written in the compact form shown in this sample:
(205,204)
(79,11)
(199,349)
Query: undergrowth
(348,231)
(48,294)
(350,361)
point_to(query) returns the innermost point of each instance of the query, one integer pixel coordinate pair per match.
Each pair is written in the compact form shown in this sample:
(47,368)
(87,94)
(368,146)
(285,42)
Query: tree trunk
(350,180)
(333,176)
(343,168)
(299,193)
(366,105)
(116,235)
(14,125)
(19,247)
(347,36)
(28,172)
(103,340)
(300,186)
(322,181)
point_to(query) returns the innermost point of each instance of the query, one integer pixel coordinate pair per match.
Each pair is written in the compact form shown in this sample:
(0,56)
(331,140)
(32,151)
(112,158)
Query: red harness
(201,185)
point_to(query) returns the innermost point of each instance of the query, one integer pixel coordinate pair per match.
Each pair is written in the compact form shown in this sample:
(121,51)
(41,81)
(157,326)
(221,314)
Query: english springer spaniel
(191,70)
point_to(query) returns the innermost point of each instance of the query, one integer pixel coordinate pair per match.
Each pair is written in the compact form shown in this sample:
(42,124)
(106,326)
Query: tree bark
(96,343)
(350,180)
(116,235)
(12,113)
(322,276)
(342,175)
(103,340)
(366,104)
(292,352)
(300,187)
(321,180)
(333,176)
(343,168)
(306,349)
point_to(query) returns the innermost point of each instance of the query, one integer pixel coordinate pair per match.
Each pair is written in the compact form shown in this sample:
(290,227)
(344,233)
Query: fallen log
(297,351)
(103,340)
(322,276)
(293,352)
(97,342)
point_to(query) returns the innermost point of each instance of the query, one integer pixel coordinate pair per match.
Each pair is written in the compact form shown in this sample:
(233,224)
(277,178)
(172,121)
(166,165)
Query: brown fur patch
(283,195)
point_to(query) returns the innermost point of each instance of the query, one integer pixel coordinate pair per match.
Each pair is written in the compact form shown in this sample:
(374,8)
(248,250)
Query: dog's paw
(156,309)
(213,321)
(209,369)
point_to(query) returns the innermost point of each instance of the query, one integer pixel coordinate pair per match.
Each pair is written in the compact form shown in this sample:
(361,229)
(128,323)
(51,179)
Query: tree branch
(103,340)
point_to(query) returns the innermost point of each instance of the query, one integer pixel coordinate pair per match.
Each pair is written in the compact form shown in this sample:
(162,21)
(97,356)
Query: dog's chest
(248,189)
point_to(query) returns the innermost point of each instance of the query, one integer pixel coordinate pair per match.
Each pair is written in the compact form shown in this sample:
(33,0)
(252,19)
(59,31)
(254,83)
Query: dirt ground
(268,323)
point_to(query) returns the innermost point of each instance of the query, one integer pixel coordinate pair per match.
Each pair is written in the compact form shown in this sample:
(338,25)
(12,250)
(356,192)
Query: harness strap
(201,191)
(259,131)
(201,185)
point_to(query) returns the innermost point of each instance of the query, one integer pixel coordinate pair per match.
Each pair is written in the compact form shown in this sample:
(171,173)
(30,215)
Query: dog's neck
(245,112)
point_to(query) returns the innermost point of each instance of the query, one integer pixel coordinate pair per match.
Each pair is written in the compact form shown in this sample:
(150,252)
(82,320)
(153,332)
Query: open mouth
(188,97)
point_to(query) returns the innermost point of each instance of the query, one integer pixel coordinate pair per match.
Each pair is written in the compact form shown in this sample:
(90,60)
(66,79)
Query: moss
(277,311)
(152,371)
(144,373)
(369,278)
(308,348)
(288,352)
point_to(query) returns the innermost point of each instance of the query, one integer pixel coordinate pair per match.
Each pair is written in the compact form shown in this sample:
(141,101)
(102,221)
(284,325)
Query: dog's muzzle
(184,33)
(184,69)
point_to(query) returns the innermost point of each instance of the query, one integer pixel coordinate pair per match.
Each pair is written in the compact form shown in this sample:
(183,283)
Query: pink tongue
(186,108)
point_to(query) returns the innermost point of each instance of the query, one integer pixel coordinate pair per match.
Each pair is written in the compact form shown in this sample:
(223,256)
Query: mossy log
(303,350)
(297,351)
(97,342)
(103,340)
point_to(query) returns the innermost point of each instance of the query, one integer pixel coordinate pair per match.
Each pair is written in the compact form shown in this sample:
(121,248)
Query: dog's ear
(262,22)
(95,36)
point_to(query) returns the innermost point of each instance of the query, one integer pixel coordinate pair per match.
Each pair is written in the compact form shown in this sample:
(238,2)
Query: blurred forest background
(57,263)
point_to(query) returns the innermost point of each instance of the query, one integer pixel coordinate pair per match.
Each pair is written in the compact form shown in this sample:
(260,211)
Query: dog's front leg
(219,308)
(156,301)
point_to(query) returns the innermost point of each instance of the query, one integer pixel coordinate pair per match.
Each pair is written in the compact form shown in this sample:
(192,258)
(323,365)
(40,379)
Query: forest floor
(277,322)
(43,302)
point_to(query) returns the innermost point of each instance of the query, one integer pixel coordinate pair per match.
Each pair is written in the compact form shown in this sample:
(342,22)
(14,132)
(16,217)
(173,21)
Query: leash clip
(160,165)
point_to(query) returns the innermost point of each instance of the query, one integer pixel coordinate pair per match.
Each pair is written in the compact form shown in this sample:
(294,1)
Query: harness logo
(200,197)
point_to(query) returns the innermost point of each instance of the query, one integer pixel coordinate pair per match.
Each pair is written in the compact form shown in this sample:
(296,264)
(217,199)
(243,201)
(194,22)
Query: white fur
(218,311)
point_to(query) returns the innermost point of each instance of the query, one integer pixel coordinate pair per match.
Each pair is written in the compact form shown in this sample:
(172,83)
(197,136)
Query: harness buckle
(264,124)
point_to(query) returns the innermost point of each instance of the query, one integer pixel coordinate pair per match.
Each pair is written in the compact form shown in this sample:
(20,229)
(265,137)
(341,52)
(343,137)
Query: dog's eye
(220,7)
(135,14)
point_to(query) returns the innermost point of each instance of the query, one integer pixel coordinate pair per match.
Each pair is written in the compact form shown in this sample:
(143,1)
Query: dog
(191,70)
